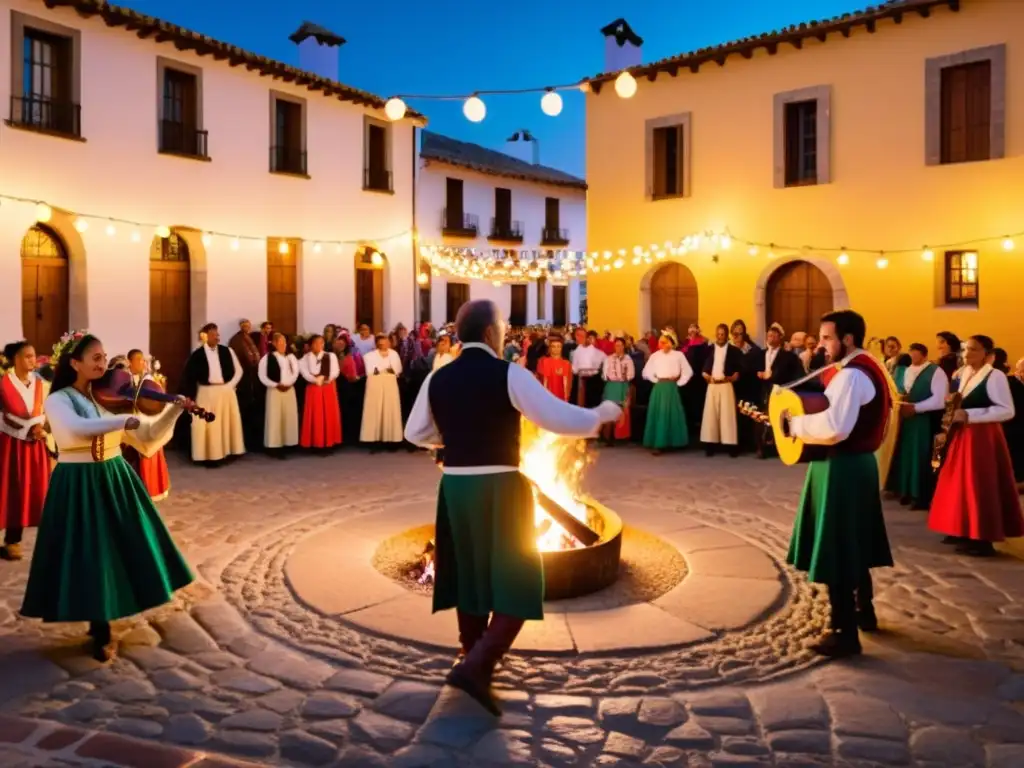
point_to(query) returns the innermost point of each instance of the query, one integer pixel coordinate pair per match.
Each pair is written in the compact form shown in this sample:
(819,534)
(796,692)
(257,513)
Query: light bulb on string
(928,254)
(551,104)
(43,213)
(752,250)
(282,247)
(843,258)
(317,247)
(882,262)
(725,241)
(136,236)
(376,259)
(111,230)
(207,240)
(235,244)
(163,232)
(474,109)
(625,85)
(422,278)
(394,108)
(81,224)
(1008,244)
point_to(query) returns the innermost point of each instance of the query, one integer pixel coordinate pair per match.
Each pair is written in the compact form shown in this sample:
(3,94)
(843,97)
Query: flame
(555,464)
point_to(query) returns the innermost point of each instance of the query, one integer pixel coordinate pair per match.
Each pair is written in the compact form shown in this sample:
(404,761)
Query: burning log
(579,530)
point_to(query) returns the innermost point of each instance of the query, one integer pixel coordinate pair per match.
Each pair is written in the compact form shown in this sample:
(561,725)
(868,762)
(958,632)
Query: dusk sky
(459,46)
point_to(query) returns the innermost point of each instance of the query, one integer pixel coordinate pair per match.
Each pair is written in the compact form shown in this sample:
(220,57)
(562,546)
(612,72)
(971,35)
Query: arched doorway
(283,284)
(673,298)
(170,306)
(44,287)
(370,288)
(797,294)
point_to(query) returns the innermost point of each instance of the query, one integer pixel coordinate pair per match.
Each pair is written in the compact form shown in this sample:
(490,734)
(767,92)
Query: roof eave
(568,183)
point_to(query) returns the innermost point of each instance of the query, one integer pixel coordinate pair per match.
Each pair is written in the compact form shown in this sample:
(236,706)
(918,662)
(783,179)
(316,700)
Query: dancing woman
(102,552)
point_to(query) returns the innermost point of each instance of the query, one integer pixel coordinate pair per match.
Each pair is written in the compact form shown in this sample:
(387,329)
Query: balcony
(457,224)
(180,139)
(505,231)
(554,236)
(36,113)
(285,159)
(377,180)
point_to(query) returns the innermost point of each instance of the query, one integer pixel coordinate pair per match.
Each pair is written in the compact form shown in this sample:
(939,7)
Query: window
(503,207)
(668,143)
(542,285)
(803,137)
(517,310)
(553,234)
(180,121)
(376,170)
(45,78)
(454,220)
(961,277)
(966,112)
(965,106)
(456,294)
(425,304)
(668,161)
(559,303)
(801,143)
(288,150)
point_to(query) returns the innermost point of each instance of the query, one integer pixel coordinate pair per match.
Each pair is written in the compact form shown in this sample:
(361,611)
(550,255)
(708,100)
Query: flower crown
(68,342)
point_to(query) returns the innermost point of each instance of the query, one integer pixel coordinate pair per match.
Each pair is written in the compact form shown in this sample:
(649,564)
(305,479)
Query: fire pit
(583,570)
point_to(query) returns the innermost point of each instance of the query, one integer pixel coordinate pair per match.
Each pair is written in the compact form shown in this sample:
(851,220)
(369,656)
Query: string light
(474,109)
(395,108)
(111,230)
(551,104)
(43,213)
(843,259)
(282,247)
(163,232)
(928,254)
(207,240)
(1008,244)
(625,85)
(81,224)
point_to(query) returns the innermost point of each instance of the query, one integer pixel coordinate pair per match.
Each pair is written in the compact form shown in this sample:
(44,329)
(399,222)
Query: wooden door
(517,312)
(282,287)
(798,294)
(44,288)
(673,298)
(369,292)
(457,294)
(559,302)
(170,307)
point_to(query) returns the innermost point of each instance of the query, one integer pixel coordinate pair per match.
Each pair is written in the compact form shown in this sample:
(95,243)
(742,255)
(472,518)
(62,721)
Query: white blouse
(936,400)
(374,361)
(27,392)
(997,387)
(440,361)
(306,365)
(671,365)
(74,433)
(216,374)
(289,370)
(587,359)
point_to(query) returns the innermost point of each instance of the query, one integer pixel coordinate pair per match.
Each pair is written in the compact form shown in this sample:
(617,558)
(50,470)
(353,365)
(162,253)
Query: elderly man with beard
(839,533)
(487,564)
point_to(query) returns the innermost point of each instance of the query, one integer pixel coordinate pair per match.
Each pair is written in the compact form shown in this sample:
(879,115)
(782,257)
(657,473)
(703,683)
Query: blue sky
(459,46)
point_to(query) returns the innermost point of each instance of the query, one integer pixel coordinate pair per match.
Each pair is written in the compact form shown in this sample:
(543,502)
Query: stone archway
(45,281)
(796,291)
(668,297)
(370,296)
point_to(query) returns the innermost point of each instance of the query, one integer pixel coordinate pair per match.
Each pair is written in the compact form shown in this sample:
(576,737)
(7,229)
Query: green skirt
(616,391)
(911,471)
(102,552)
(839,531)
(486,547)
(666,419)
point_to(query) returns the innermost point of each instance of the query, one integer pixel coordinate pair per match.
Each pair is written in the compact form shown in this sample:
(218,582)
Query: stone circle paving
(287,652)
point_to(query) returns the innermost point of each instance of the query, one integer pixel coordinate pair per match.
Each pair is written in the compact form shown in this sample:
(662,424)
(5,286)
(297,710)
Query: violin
(116,392)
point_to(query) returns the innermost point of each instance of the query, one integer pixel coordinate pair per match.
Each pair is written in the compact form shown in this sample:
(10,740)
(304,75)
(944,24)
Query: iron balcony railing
(288,159)
(506,230)
(554,236)
(45,114)
(181,139)
(377,179)
(459,224)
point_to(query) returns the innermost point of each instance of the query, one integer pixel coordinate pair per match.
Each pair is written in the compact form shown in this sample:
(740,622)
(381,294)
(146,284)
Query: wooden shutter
(377,150)
(558,306)
(551,212)
(293,128)
(503,207)
(680,161)
(978,109)
(453,201)
(660,154)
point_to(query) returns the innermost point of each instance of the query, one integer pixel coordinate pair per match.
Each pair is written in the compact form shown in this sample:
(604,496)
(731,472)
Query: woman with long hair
(102,552)
(24,460)
(948,346)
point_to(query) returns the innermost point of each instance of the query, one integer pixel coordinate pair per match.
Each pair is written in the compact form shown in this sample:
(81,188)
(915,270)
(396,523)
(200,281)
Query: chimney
(523,145)
(318,49)
(622,46)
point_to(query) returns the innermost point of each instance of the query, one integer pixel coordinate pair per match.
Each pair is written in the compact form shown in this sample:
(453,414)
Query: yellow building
(877,160)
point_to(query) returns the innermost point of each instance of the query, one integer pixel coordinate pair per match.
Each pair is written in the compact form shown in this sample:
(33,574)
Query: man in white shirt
(721,370)
(587,360)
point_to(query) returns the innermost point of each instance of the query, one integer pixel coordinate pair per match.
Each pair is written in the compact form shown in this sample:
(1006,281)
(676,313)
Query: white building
(468,196)
(191,181)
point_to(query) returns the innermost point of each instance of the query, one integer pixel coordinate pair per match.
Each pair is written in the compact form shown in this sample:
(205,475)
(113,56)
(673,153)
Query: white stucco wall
(527,208)
(116,171)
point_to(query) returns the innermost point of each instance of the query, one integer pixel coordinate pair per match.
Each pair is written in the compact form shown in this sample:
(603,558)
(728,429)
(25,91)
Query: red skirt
(24,478)
(321,417)
(623,430)
(975,495)
(152,470)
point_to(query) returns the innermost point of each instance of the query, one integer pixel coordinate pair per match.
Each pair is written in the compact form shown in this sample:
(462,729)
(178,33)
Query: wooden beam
(652,75)
(845,31)
(695,67)
(797,42)
(672,70)
(595,86)
(822,36)
(163,37)
(954,5)
(870,25)
(898,17)
(773,48)
(577,529)
(925,11)
(747,53)
(720,60)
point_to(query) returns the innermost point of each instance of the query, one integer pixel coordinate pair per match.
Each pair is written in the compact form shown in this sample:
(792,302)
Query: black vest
(470,404)
(202,365)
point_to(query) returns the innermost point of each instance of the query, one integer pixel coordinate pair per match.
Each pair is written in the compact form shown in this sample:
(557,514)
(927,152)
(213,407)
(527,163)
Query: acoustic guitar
(940,444)
(792,450)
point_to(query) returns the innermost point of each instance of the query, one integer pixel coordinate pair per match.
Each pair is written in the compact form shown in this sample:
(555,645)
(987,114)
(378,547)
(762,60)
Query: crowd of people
(319,392)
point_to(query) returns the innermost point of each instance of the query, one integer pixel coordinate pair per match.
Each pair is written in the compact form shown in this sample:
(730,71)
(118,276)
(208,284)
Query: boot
(471,629)
(974,548)
(842,641)
(103,647)
(11,552)
(473,674)
(867,621)
(839,645)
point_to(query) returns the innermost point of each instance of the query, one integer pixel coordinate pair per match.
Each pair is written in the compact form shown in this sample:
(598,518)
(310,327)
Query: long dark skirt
(350,397)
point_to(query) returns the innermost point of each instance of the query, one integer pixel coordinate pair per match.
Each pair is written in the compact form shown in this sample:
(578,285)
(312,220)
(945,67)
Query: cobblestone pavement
(237,665)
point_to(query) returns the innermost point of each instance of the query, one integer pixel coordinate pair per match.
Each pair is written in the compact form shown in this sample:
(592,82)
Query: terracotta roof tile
(793,35)
(463,154)
(149,27)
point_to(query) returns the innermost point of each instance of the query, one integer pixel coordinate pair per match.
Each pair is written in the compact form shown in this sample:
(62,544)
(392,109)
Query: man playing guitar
(839,533)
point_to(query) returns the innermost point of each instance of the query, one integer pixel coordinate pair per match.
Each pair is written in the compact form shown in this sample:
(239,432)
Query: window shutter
(978,110)
(660,137)
(680,161)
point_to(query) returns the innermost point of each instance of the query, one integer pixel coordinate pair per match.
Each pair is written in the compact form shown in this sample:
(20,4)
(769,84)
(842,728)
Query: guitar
(940,444)
(792,450)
